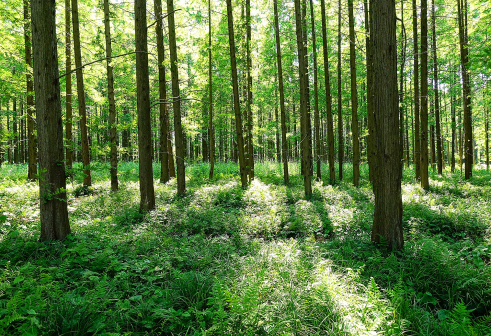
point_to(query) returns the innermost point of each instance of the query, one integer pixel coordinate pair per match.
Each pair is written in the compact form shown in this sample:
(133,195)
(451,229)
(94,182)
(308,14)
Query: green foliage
(223,260)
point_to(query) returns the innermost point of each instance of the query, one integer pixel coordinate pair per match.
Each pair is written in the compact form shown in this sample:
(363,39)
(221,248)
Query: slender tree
(424,95)
(340,103)
(318,158)
(68,78)
(439,147)
(52,181)
(284,144)
(371,153)
(176,101)
(250,149)
(82,108)
(112,102)
(354,97)
(147,193)
(387,222)
(211,129)
(417,98)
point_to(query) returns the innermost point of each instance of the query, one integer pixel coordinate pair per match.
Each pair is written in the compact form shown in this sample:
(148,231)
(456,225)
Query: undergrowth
(260,261)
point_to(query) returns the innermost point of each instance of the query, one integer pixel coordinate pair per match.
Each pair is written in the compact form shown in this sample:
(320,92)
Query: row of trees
(394,132)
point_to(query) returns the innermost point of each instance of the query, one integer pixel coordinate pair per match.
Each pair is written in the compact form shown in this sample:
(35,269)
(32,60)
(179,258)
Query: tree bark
(31,138)
(211,129)
(424,95)
(250,149)
(176,105)
(52,181)
(284,144)
(318,158)
(303,100)
(387,223)
(354,97)
(371,149)
(147,193)
(340,106)
(112,103)
(466,87)
(82,108)
(439,149)
(417,136)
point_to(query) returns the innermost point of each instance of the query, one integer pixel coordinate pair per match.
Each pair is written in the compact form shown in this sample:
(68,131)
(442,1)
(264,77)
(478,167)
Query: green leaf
(18,279)
(136,298)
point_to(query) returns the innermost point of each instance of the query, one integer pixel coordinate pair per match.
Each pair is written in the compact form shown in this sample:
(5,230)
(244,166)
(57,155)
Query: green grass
(260,261)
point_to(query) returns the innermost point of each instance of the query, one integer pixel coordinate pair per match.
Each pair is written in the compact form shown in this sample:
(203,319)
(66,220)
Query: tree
(354,97)
(284,144)
(327,84)
(424,95)
(318,158)
(82,107)
(304,115)
(112,102)
(235,84)
(340,103)
(52,181)
(250,147)
(176,101)
(32,166)
(435,89)
(211,129)
(69,94)
(387,222)
(417,144)
(147,193)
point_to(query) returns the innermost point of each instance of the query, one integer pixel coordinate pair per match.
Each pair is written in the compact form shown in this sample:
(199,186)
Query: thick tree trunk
(31,138)
(284,144)
(340,105)
(235,83)
(318,158)
(387,223)
(354,97)
(147,193)
(112,103)
(176,105)
(163,116)
(52,182)
(303,100)
(82,108)
(424,95)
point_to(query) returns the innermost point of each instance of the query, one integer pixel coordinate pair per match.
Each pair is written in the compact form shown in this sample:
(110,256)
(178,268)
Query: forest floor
(223,260)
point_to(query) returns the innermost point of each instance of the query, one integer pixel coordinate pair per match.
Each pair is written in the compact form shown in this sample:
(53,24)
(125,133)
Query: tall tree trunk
(211,129)
(176,97)
(303,100)
(112,103)
(16,134)
(424,95)
(454,126)
(69,94)
(401,81)
(163,113)
(466,87)
(327,84)
(340,105)
(250,148)
(235,83)
(147,193)
(439,149)
(52,181)
(354,97)
(82,108)
(371,153)
(318,158)
(31,138)
(417,110)
(284,144)
(387,222)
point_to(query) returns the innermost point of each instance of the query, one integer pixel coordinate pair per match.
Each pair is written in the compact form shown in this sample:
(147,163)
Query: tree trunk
(466,87)
(16,134)
(424,95)
(52,182)
(284,144)
(318,158)
(163,113)
(211,129)
(303,100)
(112,103)
(250,148)
(340,106)
(31,138)
(235,83)
(176,97)
(387,223)
(82,108)
(147,193)
(439,146)
(354,98)
(417,127)
(371,153)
